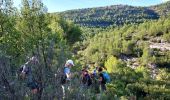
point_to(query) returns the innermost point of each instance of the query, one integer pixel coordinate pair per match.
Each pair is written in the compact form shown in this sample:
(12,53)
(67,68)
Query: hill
(162,9)
(35,47)
(116,15)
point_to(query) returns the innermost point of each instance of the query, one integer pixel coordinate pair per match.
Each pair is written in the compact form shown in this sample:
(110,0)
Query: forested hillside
(35,45)
(116,15)
(137,57)
(162,9)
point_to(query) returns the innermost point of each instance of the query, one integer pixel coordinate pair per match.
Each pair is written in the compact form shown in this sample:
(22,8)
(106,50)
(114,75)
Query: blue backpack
(106,77)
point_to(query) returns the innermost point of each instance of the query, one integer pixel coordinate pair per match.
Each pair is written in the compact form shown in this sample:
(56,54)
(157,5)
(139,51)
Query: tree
(113,65)
(8,46)
(71,32)
(146,55)
(33,24)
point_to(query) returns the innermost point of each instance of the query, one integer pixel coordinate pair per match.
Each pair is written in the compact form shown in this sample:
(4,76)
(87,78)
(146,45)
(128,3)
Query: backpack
(26,70)
(63,77)
(106,77)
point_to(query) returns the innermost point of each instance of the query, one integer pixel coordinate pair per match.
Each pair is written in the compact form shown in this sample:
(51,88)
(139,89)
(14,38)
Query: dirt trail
(161,46)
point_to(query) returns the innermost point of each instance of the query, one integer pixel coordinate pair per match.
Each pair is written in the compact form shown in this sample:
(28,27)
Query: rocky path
(161,46)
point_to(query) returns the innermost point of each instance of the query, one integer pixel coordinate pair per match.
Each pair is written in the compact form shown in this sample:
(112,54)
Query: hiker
(26,71)
(66,72)
(95,71)
(86,78)
(66,76)
(31,83)
(103,78)
(95,83)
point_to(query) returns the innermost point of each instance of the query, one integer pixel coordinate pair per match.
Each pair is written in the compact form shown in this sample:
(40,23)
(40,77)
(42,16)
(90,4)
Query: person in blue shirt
(67,76)
(68,65)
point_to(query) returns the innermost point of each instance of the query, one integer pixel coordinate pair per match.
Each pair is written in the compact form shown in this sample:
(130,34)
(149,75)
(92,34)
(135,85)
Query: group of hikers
(97,78)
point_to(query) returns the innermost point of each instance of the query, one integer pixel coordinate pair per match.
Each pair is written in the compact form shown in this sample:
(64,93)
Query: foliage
(31,31)
(130,40)
(113,65)
(111,15)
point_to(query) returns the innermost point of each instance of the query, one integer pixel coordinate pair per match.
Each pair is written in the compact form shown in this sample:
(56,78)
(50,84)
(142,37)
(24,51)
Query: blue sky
(62,5)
